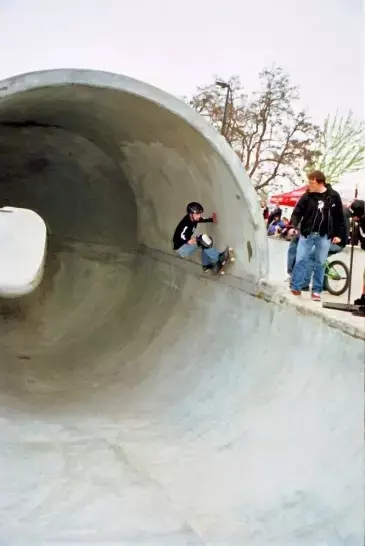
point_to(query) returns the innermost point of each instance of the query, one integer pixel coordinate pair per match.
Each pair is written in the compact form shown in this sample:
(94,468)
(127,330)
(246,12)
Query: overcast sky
(178,45)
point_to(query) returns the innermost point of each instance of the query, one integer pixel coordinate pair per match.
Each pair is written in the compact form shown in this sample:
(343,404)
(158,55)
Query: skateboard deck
(229,257)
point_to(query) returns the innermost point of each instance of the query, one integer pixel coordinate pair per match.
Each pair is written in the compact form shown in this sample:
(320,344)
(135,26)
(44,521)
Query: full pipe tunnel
(110,164)
(128,410)
(88,150)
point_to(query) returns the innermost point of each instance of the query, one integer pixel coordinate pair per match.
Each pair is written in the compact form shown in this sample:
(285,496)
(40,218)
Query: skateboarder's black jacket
(185,230)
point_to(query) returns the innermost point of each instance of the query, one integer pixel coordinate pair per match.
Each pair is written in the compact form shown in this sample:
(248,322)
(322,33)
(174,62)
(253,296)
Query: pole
(224,122)
(352,252)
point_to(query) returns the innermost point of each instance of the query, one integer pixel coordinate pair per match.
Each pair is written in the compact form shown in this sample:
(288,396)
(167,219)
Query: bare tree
(270,136)
(340,147)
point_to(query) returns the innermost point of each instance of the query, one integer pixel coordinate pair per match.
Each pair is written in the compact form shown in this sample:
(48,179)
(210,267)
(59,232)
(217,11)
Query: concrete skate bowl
(142,402)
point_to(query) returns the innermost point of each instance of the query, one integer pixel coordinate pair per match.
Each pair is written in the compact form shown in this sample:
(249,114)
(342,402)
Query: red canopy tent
(289,199)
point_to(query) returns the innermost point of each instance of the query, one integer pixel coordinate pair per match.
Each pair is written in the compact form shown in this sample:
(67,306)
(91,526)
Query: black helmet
(357,208)
(204,241)
(194,207)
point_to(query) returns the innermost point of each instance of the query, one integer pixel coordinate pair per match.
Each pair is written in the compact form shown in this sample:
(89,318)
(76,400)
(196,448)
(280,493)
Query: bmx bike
(336,277)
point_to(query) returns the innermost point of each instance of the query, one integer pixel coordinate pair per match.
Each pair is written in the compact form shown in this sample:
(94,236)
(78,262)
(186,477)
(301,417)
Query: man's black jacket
(320,212)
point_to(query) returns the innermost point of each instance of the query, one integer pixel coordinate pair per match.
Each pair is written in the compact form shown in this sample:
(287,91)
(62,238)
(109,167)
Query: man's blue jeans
(291,258)
(321,247)
(334,249)
(209,256)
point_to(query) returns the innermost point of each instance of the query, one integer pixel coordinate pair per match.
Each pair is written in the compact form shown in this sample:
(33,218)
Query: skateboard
(349,307)
(228,257)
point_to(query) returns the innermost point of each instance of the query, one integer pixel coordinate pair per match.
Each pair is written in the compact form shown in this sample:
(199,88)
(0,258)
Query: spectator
(265,211)
(334,249)
(357,210)
(291,235)
(320,215)
(275,226)
(277,212)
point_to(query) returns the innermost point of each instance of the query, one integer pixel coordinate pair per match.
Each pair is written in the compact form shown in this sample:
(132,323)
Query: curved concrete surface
(140,402)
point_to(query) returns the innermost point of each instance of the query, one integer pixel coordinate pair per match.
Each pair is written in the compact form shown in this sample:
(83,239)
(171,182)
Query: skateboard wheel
(233,259)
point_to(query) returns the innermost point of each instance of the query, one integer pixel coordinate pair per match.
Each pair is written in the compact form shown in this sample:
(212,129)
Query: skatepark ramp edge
(140,401)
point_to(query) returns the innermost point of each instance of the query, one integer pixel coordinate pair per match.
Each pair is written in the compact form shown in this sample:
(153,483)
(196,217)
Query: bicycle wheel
(337,278)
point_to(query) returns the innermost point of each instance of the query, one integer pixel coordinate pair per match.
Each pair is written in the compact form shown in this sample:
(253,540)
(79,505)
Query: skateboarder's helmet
(194,207)
(204,241)
(357,208)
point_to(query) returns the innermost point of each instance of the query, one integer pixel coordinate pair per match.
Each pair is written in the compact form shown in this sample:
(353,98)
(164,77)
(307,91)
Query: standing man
(320,214)
(265,211)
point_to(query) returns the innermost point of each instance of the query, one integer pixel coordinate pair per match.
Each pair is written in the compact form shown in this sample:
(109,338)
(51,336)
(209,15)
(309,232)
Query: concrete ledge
(344,321)
(263,289)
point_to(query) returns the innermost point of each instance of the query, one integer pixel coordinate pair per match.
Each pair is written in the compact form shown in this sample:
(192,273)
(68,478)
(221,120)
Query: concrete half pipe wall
(141,403)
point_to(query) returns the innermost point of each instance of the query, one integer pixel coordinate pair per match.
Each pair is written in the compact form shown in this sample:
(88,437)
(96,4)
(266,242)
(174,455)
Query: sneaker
(207,267)
(217,267)
(316,297)
(360,301)
(296,292)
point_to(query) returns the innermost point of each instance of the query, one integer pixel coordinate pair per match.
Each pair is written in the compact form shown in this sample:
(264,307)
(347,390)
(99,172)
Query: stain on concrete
(249,250)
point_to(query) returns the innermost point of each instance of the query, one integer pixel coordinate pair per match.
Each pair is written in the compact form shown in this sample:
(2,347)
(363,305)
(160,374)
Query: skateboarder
(185,243)
(357,211)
